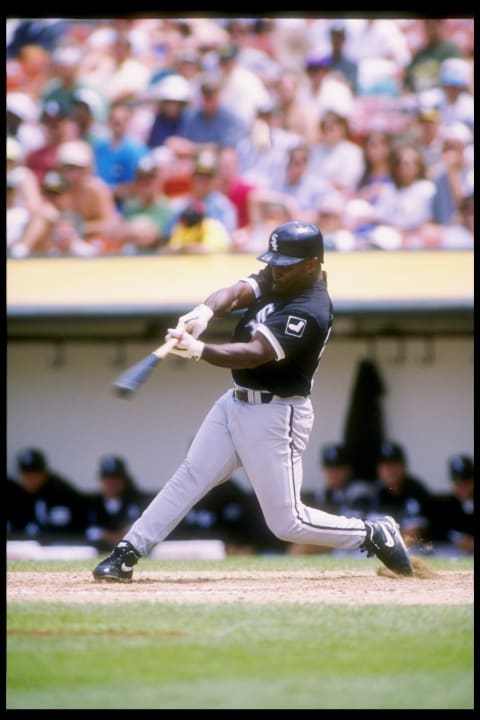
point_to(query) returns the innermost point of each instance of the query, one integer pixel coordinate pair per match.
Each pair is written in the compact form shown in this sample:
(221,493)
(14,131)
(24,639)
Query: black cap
(113,465)
(31,459)
(335,456)
(193,214)
(293,242)
(460,467)
(391,452)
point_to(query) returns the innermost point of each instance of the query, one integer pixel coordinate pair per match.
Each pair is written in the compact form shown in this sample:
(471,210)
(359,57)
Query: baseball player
(262,423)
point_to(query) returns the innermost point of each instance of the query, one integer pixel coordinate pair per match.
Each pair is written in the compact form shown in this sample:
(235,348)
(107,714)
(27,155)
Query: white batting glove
(195,322)
(187,347)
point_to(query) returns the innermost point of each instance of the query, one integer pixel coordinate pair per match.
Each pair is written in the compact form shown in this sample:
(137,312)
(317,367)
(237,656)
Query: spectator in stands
(455,99)
(196,233)
(406,205)
(324,88)
(405,497)
(303,189)
(89,196)
(377,152)
(176,161)
(23,198)
(64,82)
(55,229)
(147,211)
(381,51)
(170,95)
(241,88)
(28,189)
(454,181)
(22,121)
(330,217)
(211,122)
(123,75)
(426,136)
(117,154)
(232,184)
(336,158)
(294,114)
(56,509)
(206,191)
(341,493)
(85,114)
(17,219)
(59,129)
(455,522)
(340,62)
(263,153)
(118,503)
(266,213)
(423,70)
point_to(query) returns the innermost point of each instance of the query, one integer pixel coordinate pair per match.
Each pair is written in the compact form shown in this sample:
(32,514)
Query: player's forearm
(225,300)
(236,356)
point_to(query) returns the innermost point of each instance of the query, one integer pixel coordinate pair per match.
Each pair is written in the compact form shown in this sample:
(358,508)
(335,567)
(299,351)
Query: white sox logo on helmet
(274,243)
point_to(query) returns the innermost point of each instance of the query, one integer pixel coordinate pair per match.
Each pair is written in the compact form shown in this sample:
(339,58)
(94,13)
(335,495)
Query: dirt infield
(355,588)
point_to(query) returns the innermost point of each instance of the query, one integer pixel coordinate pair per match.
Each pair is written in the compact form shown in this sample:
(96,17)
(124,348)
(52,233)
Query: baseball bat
(129,381)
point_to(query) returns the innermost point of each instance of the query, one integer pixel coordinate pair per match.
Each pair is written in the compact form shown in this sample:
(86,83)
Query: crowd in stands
(42,505)
(175,135)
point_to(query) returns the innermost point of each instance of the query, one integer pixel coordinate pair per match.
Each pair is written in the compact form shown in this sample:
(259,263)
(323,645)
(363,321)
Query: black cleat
(118,566)
(385,541)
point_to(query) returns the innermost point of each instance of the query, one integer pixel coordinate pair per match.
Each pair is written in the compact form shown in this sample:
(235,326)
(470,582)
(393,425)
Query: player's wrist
(205,312)
(197,348)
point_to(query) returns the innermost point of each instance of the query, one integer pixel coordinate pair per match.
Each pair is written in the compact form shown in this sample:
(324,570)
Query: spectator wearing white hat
(456,102)
(89,196)
(64,77)
(170,96)
(58,129)
(86,113)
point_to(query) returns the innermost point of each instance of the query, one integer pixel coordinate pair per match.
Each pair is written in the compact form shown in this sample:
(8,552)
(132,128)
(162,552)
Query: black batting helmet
(293,242)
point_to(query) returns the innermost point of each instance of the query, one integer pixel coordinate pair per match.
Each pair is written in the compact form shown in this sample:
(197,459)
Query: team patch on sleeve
(295,326)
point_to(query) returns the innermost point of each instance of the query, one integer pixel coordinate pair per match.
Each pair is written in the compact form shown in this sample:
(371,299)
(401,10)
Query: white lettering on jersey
(264,312)
(295,326)
(260,317)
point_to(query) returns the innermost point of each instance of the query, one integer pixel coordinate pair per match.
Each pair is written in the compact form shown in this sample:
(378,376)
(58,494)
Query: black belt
(253,396)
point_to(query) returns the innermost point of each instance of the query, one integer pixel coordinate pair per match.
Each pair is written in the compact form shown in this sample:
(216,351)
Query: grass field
(237,655)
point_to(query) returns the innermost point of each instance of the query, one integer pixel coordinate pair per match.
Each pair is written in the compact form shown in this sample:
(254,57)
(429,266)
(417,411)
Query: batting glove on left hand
(195,322)
(187,346)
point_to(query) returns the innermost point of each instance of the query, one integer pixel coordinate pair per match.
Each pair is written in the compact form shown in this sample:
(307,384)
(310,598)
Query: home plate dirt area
(372,586)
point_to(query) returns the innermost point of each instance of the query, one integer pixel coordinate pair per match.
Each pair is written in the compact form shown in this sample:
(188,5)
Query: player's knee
(285,530)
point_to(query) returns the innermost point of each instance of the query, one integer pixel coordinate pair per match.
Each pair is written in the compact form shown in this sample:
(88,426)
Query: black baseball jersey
(298,328)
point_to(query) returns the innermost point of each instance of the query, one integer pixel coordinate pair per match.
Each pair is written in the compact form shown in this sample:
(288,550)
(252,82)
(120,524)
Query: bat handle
(164,349)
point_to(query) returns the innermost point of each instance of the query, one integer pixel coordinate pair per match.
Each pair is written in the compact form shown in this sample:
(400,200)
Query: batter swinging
(263,423)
